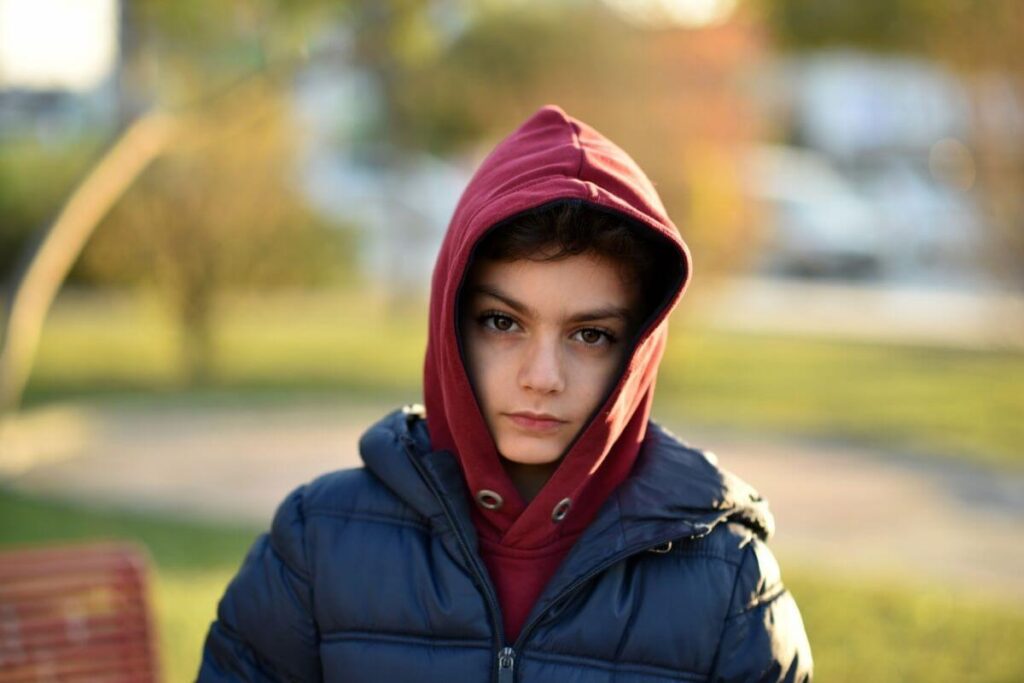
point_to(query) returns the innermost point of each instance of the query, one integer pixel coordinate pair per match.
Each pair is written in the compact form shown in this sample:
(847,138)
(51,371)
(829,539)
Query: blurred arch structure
(45,271)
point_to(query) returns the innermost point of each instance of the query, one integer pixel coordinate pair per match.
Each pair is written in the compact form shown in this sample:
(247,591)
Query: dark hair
(571,227)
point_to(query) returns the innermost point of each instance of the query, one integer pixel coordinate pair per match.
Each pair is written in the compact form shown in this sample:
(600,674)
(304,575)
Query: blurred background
(218,219)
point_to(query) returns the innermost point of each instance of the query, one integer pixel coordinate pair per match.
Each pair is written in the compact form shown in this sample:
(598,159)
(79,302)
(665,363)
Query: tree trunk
(195,314)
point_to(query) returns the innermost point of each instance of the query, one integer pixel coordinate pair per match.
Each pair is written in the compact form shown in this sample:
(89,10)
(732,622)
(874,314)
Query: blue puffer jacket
(372,575)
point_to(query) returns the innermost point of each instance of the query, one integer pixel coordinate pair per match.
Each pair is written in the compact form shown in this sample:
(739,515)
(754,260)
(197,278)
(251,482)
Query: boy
(533,525)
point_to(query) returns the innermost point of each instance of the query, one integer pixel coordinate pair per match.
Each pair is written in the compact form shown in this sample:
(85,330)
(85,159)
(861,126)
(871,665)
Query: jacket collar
(675,491)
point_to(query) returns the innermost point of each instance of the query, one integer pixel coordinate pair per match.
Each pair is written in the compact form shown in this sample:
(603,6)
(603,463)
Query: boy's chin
(515,450)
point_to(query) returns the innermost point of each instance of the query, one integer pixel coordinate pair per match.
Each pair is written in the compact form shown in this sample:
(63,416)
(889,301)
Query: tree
(216,212)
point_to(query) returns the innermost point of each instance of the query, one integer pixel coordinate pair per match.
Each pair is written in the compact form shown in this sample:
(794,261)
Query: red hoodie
(551,156)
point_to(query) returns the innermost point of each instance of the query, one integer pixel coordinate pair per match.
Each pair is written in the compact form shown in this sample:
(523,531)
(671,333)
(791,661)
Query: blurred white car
(936,230)
(814,221)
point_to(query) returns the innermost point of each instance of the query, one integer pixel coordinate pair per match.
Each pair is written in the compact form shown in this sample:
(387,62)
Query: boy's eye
(497,321)
(593,336)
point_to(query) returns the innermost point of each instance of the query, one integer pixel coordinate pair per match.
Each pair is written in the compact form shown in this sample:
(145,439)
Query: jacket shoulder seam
(764,596)
(275,543)
(729,610)
(282,558)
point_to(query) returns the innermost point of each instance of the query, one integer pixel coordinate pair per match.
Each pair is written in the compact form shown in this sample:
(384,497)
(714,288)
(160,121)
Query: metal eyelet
(561,510)
(661,549)
(489,499)
(414,411)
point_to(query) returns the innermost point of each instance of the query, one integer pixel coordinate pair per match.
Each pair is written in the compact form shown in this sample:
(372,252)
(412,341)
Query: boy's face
(544,340)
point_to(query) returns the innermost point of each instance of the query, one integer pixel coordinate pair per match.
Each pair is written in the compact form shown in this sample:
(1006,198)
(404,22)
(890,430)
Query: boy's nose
(542,368)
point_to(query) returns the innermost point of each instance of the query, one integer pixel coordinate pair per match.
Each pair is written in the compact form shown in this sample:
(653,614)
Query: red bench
(76,613)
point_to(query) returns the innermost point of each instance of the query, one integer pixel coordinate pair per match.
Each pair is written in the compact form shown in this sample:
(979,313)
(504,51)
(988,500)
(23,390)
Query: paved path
(835,506)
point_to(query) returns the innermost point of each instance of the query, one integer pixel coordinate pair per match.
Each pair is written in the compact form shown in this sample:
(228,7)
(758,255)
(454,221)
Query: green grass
(860,630)
(265,344)
(947,402)
(864,629)
(967,404)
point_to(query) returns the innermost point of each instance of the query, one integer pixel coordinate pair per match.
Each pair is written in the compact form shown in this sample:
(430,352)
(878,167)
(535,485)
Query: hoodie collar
(552,157)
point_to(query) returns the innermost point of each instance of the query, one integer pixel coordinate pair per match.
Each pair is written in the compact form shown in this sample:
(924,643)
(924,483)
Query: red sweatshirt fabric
(550,157)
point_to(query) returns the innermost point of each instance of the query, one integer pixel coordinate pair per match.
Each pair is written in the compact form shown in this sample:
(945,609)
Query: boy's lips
(535,422)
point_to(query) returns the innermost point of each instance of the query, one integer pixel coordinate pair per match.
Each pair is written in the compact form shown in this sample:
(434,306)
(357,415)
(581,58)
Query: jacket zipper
(506,665)
(506,655)
(506,658)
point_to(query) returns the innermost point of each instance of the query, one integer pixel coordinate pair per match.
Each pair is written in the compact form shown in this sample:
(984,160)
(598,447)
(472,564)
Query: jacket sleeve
(763,640)
(265,631)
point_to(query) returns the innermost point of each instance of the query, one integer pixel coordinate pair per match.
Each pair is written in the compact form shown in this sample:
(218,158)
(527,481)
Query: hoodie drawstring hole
(561,510)
(489,499)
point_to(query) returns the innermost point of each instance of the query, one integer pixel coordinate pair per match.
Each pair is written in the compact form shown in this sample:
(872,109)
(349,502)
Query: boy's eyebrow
(521,308)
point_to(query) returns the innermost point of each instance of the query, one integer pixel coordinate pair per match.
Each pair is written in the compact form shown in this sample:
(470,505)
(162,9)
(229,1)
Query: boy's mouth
(535,422)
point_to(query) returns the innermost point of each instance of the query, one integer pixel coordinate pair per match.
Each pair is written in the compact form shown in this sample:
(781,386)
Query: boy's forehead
(581,281)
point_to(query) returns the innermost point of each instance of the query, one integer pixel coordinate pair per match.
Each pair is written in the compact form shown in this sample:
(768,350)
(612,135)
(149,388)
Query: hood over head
(550,158)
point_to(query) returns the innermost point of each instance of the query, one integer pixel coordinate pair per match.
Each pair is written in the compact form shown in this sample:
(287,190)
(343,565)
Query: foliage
(672,99)
(35,179)
(451,76)
(216,212)
(231,35)
(975,34)
(454,90)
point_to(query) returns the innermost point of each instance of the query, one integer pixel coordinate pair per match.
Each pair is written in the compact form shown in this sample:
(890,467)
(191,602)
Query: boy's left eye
(592,336)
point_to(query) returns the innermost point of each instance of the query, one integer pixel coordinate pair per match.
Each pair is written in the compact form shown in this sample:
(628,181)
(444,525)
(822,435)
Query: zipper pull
(506,665)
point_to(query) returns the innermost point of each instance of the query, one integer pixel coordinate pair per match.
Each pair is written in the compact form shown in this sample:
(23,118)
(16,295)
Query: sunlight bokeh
(57,43)
(668,13)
